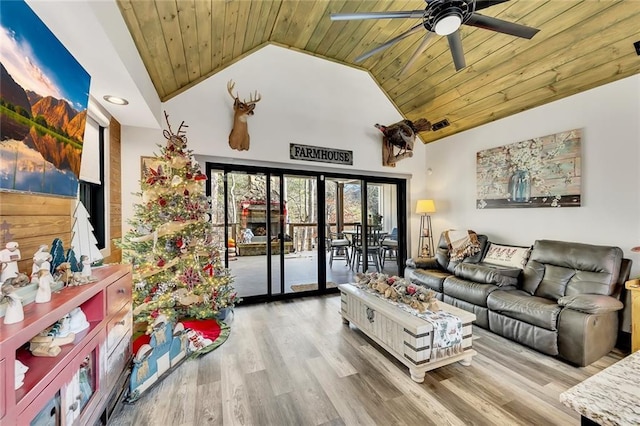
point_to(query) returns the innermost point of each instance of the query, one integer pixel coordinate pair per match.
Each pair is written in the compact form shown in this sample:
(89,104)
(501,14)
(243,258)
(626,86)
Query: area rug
(310,287)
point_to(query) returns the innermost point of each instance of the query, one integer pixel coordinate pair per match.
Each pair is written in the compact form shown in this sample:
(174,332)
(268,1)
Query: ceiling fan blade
(506,27)
(455,44)
(483,4)
(377,15)
(389,43)
(419,51)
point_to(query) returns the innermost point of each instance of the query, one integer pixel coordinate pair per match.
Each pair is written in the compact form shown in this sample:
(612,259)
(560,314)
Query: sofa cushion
(429,278)
(591,303)
(520,305)
(560,268)
(487,274)
(468,291)
(423,263)
(505,255)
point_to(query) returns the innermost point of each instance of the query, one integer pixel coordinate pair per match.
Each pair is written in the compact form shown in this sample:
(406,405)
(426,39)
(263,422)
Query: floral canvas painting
(539,172)
(43,106)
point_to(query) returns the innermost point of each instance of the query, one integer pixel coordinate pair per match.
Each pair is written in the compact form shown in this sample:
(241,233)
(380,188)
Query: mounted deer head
(239,136)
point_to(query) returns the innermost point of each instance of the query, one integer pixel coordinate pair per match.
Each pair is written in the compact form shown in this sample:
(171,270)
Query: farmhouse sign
(320,154)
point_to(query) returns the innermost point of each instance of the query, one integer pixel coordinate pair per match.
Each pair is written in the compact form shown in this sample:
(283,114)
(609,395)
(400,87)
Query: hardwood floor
(295,363)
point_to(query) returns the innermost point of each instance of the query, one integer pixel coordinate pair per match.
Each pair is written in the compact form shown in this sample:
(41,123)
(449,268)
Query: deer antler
(230,86)
(166,117)
(181,132)
(253,100)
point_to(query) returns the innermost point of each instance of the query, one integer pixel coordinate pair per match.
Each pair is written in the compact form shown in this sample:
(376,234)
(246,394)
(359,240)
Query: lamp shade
(425,206)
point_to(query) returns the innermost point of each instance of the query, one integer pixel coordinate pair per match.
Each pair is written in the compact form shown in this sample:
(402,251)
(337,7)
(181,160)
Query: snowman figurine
(86,265)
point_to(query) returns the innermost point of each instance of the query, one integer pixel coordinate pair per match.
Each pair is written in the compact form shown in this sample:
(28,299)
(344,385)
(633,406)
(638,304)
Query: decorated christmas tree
(177,269)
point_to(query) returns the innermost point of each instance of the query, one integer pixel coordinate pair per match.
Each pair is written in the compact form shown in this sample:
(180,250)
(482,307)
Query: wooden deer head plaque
(400,135)
(239,136)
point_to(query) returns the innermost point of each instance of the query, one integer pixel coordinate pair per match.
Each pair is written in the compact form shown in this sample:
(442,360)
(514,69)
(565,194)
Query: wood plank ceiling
(581,45)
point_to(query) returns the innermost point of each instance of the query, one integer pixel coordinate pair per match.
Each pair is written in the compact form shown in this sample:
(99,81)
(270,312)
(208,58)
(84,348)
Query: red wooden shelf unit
(99,357)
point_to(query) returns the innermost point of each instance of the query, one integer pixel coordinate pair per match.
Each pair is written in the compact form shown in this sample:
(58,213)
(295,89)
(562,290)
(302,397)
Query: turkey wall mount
(444,18)
(400,136)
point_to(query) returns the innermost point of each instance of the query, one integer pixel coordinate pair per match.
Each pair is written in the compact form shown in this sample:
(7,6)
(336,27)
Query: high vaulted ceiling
(581,45)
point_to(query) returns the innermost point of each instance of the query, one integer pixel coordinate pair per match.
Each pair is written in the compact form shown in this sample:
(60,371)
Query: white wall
(610,211)
(311,101)
(305,100)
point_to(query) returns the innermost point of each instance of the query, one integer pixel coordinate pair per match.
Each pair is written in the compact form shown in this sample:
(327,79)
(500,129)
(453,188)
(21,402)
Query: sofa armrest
(423,263)
(591,303)
(487,274)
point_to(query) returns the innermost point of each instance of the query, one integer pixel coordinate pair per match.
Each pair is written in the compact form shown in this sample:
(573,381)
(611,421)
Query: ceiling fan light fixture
(448,25)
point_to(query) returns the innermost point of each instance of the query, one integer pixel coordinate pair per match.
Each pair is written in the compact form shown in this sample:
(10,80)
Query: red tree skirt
(209,328)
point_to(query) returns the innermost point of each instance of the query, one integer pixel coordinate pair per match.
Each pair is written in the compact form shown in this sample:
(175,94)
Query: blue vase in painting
(520,186)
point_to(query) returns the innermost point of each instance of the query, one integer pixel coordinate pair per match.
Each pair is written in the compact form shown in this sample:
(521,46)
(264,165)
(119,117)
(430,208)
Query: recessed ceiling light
(115,100)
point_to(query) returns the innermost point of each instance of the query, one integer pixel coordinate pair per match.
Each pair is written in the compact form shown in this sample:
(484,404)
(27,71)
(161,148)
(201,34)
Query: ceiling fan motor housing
(449,13)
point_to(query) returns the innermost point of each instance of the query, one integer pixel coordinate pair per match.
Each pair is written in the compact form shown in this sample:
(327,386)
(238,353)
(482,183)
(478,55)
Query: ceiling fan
(442,17)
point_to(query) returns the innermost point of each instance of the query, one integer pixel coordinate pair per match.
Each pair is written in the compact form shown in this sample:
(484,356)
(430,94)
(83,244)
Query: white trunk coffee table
(405,336)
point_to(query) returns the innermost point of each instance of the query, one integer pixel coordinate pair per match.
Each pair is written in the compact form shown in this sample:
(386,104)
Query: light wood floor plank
(316,406)
(209,404)
(340,393)
(295,363)
(235,400)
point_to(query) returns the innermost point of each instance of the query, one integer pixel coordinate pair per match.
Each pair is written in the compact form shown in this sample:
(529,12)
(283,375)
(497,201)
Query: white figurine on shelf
(14,312)
(43,294)
(39,257)
(9,257)
(20,371)
(86,265)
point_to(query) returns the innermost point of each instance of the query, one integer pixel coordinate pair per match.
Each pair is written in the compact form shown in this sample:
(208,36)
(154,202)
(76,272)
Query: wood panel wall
(115,193)
(32,220)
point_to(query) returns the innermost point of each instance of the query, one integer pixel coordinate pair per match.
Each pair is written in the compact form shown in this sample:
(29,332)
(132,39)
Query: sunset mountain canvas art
(44,93)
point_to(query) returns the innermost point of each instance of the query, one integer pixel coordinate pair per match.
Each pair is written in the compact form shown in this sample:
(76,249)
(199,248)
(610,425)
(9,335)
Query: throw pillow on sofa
(509,256)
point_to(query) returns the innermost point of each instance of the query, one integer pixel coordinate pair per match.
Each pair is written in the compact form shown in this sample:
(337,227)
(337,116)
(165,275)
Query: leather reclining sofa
(563,300)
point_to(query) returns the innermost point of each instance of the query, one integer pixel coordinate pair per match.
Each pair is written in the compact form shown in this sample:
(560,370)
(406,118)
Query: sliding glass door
(301,263)
(280,228)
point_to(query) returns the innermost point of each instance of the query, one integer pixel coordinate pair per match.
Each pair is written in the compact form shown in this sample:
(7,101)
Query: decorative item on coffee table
(398,289)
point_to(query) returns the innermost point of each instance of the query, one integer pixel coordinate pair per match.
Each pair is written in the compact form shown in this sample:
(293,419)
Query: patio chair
(389,246)
(338,247)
